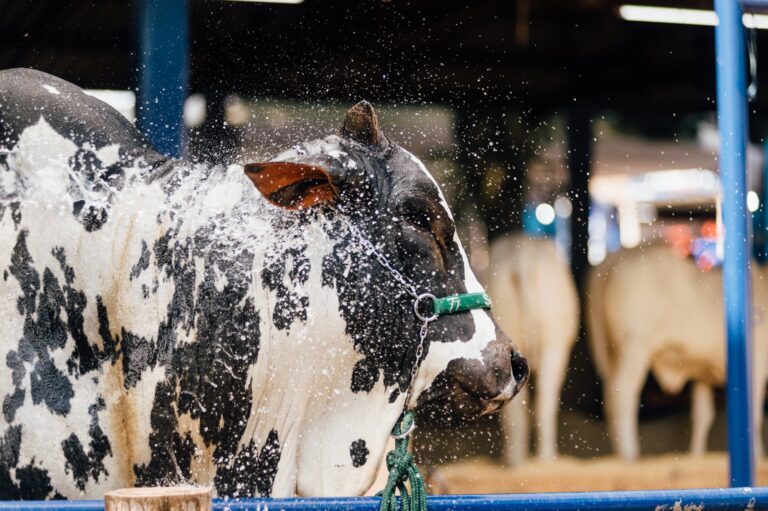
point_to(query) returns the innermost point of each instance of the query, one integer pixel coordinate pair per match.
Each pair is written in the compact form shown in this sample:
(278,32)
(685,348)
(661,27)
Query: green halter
(449,304)
(460,303)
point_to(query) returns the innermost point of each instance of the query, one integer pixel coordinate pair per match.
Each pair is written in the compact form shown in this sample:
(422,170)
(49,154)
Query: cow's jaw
(343,445)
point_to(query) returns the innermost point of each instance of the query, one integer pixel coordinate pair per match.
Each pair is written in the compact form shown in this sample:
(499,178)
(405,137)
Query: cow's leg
(515,424)
(622,400)
(549,383)
(702,416)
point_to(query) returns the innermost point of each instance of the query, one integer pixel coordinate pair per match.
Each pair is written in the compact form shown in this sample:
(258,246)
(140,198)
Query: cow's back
(26,95)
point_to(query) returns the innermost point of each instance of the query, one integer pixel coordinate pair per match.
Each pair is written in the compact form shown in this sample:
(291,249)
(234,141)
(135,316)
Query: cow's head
(362,178)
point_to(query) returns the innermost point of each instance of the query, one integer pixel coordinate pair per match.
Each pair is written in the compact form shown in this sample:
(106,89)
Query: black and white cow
(166,322)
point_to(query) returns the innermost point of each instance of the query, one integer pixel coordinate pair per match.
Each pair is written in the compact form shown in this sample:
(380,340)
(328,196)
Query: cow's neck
(330,438)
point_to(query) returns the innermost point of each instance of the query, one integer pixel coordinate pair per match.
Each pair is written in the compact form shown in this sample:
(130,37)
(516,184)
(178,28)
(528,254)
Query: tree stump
(173,498)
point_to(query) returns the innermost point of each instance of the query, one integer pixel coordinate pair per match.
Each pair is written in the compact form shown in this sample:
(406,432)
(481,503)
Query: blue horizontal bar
(723,499)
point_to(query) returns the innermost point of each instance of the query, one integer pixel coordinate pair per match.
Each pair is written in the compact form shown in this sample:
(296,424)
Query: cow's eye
(417,218)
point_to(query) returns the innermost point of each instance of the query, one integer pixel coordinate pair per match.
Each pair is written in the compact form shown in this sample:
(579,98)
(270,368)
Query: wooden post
(174,498)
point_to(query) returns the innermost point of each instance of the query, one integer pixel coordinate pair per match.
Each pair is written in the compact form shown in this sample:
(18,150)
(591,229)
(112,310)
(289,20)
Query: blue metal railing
(722,499)
(732,124)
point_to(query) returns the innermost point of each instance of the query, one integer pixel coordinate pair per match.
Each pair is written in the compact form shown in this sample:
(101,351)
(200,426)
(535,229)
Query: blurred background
(562,131)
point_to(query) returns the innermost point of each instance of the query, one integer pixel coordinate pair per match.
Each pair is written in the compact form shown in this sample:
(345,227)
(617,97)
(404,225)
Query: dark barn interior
(529,54)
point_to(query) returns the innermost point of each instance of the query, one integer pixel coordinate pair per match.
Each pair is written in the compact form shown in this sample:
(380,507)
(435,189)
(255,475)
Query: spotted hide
(164,322)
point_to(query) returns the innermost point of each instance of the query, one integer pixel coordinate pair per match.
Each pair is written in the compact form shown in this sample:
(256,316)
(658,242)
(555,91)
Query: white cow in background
(649,310)
(536,303)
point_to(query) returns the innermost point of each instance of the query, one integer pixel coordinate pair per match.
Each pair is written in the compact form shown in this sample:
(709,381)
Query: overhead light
(545,213)
(294,2)
(753,201)
(684,16)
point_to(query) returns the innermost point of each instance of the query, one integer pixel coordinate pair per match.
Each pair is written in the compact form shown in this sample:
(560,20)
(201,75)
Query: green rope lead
(403,468)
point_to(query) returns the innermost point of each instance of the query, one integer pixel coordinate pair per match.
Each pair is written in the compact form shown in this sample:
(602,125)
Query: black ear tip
(253,168)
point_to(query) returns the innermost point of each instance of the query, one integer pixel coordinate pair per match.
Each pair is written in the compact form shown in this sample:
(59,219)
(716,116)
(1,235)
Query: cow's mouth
(457,394)
(448,403)
(510,391)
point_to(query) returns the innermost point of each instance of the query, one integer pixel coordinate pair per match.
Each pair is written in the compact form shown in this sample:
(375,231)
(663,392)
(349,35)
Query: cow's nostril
(520,370)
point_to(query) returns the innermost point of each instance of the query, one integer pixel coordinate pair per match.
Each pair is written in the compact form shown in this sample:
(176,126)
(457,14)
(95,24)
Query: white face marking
(423,168)
(441,353)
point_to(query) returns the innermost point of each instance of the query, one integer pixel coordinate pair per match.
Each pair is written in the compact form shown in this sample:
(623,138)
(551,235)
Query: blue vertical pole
(163,73)
(732,121)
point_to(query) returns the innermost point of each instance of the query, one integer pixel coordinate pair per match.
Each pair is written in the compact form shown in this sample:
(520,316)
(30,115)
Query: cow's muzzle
(520,374)
(469,388)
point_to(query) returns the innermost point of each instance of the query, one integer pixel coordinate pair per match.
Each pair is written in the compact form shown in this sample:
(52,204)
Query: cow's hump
(26,95)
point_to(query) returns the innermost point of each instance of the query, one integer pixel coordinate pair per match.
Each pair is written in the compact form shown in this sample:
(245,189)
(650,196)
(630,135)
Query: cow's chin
(450,404)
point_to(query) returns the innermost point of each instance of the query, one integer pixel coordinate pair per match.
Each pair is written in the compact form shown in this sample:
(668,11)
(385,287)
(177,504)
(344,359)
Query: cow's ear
(292,185)
(361,125)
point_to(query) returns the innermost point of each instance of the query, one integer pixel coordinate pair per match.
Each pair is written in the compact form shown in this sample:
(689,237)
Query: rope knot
(398,463)
(402,468)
